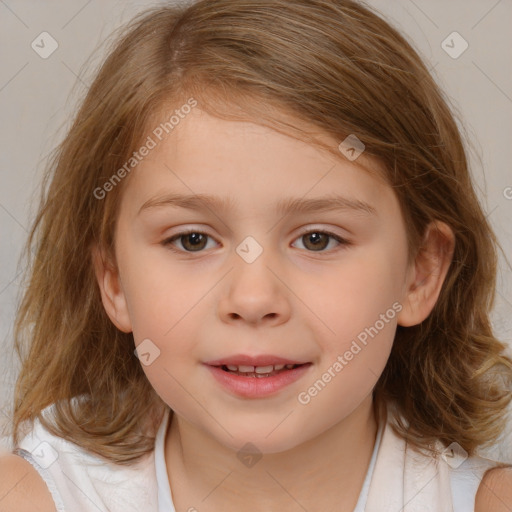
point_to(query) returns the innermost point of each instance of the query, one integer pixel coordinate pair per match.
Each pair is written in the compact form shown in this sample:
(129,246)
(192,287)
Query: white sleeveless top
(397,477)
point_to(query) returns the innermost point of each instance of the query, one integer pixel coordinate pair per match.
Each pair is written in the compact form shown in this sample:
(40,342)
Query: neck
(326,472)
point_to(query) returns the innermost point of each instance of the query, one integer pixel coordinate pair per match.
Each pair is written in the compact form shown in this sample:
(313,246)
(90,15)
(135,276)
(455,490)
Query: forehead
(249,165)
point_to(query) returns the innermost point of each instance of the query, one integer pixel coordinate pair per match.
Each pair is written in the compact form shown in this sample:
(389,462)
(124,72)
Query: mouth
(259,371)
(250,381)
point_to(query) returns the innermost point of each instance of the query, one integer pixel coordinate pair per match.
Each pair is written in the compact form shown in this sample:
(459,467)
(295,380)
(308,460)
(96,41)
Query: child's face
(304,298)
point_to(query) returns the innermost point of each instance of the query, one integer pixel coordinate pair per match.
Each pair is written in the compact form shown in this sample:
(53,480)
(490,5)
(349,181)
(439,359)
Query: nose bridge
(253,261)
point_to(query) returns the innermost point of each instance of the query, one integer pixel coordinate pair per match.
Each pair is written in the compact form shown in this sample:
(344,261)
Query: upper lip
(261,360)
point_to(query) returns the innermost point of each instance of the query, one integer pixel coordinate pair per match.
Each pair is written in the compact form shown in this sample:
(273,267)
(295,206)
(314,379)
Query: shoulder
(21,487)
(495,491)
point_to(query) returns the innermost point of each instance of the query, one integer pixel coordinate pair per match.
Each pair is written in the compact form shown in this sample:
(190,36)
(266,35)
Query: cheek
(161,297)
(164,307)
(358,309)
(171,385)
(353,359)
(355,293)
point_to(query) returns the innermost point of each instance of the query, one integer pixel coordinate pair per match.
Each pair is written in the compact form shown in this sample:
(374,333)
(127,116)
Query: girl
(262,280)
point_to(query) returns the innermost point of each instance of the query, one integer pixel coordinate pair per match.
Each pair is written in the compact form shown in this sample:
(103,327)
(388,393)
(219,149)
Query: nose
(255,293)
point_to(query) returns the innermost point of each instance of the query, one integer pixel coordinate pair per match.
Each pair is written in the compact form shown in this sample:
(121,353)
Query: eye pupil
(195,236)
(316,241)
(196,240)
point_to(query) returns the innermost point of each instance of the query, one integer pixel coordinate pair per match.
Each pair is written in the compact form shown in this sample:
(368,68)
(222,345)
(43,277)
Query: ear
(112,294)
(427,274)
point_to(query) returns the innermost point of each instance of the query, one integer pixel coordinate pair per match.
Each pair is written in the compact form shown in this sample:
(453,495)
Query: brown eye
(318,241)
(191,241)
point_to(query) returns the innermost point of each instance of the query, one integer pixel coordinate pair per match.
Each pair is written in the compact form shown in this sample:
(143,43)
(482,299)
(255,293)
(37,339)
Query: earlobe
(427,274)
(112,294)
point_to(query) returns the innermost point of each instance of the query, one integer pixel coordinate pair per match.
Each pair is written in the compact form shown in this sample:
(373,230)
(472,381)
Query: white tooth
(264,369)
(278,366)
(233,368)
(246,368)
(290,365)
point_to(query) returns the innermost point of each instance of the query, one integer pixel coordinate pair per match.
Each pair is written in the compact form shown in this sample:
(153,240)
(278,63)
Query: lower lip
(257,387)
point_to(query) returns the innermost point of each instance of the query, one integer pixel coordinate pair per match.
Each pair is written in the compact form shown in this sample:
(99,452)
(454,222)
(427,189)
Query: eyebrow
(288,205)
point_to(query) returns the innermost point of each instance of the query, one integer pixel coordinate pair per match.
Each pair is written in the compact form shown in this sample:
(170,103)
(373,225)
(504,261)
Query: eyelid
(319,229)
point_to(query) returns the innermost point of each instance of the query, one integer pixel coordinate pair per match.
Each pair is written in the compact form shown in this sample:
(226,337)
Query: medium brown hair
(334,64)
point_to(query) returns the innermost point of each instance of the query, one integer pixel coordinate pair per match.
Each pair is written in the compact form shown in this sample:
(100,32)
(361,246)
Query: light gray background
(38,96)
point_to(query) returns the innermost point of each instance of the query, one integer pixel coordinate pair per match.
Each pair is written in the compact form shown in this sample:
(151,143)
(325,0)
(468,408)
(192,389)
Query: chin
(257,440)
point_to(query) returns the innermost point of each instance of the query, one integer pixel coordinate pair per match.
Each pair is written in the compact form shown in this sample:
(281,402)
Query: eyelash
(168,242)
